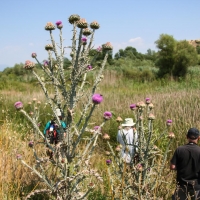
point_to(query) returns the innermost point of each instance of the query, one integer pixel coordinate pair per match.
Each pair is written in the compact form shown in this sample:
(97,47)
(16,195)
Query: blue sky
(123,23)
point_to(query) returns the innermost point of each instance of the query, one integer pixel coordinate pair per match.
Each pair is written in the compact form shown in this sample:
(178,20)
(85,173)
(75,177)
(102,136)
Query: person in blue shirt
(52,130)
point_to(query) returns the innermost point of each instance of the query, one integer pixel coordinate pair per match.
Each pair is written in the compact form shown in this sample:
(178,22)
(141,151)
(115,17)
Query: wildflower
(59,24)
(107,153)
(89,67)
(39,102)
(139,167)
(18,105)
(49,47)
(107,115)
(169,122)
(19,156)
(82,23)
(107,46)
(91,185)
(108,162)
(49,26)
(106,136)
(119,119)
(133,106)
(31,113)
(150,106)
(74,18)
(148,100)
(34,55)
(34,99)
(29,103)
(151,116)
(97,98)
(140,104)
(46,63)
(87,31)
(99,49)
(97,128)
(30,144)
(94,25)
(84,40)
(171,135)
(29,65)
(118,148)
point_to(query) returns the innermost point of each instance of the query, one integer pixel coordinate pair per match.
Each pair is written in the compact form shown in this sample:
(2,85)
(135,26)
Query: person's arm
(173,161)
(46,127)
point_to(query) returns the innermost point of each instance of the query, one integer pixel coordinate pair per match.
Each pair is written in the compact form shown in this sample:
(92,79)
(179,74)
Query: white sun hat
(128,122)
(58,112)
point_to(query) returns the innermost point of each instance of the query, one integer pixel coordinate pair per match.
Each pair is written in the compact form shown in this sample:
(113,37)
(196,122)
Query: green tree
(174,57)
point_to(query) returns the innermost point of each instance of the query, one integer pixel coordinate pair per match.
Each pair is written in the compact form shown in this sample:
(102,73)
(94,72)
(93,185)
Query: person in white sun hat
(128,138)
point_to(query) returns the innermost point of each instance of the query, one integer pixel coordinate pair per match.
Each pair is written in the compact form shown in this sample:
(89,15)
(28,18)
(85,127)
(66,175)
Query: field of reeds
(178,101)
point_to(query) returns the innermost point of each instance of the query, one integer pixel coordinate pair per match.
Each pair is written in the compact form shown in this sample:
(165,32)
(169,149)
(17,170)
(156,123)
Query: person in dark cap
(186,161)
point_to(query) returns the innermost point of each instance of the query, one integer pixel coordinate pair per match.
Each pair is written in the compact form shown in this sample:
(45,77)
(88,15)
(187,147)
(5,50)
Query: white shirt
(128,140)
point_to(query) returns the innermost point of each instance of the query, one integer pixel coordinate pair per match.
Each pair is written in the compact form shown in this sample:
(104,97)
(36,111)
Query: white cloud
(136,40)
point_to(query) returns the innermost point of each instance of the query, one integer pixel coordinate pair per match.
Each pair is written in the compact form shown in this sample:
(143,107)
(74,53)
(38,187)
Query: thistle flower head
(107,115)
(108,46)
(82,23)
(118,148)
(106,136)
(150,106)
(84,40)
(74,18)
(59,24)
(87,31)
(34,55)
(107,153)
(140,104)
(171,135)
(97,98)
(108,162)
(133,106)
(139,167)
(89,67)
(29,65)
(99,49)
(169,122)
(46,63)
(151,116)
(119,119)
(49,47)
(148,100)
(19,156)
(49,26)
(30,144)
(18,105)
(97,128)
(94,25)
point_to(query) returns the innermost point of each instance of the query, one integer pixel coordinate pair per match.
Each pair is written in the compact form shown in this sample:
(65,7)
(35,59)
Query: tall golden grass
(170,101)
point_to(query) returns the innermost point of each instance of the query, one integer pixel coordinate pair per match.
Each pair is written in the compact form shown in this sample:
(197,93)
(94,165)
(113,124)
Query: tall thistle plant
(142,178)
(72,178)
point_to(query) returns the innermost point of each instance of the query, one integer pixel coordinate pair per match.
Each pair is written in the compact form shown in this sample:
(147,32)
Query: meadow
(175,100)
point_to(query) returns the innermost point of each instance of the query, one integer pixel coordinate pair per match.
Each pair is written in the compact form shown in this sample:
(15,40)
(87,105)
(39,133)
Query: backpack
(51,131)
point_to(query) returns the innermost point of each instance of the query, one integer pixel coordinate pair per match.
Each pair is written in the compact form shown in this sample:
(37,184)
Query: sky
(136,23)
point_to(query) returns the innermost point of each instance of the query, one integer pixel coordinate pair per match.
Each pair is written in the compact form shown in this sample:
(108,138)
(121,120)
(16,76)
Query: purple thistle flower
(133,106)
(45,63)
(148,100)
(84,39)
(107,115)
(97,127)
(97,98)
(169,122)
(18,105)
(58,23)
(34,55)
(30,144)
(99,49)
(89,67)
(108,162)
(19,156)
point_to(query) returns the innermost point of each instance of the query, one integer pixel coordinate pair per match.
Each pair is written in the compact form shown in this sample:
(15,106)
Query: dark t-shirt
(187,161)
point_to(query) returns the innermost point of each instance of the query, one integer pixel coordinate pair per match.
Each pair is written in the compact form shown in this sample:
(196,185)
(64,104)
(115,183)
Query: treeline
(172,59)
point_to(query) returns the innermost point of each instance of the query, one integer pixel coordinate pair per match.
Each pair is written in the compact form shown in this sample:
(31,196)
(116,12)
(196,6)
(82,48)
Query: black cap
(193,133)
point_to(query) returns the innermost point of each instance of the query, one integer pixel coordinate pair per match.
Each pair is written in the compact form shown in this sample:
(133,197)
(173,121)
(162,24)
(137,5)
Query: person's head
(193,134)
(128,123)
